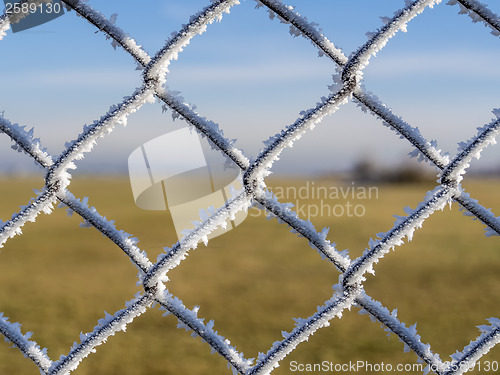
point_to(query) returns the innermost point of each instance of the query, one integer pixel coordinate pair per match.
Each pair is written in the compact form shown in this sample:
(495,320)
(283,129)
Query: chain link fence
(349,291)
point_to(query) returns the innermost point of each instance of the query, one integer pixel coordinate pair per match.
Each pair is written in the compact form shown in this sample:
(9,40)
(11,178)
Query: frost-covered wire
(158,66)
(4,25)
(180,250)
(367,101)
(475,210)
(90,215)
(378,312)
(25,142)
(455,170)
(322,245)
(378,40)
(107,228)
(351,76)
(383,111)
(205,127)
(305,328)
(479,12)
(75,150)
(43,202)
(189,320)
(30,349)
(107,327)
(404,227)
(154,77)
(408,335)
(318,241)
(120,38)
(465,360)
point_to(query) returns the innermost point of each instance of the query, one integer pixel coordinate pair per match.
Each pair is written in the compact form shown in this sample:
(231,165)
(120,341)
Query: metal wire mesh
(350,288)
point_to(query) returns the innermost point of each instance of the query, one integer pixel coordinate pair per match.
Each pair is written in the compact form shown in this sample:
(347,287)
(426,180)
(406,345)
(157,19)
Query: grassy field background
(57,279)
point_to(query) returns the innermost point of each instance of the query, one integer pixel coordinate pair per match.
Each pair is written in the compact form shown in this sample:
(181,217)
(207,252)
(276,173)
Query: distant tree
(366,171)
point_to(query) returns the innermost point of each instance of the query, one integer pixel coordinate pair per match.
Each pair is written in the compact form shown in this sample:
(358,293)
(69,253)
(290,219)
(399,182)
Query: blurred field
(58,279)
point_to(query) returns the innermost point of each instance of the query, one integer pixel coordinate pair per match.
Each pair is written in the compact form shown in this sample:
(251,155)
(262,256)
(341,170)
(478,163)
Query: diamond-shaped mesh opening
(334,156)
(45,282)
(69,83)
(348,293)
(431,280)
(376,203)
(113,196)
(253,71)
(431,65)
(246,298)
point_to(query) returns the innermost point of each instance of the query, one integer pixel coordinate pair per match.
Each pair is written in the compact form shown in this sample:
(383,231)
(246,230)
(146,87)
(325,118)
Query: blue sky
(249,75)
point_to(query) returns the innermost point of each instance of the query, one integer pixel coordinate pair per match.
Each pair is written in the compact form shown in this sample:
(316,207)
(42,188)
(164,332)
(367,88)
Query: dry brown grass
(58,279)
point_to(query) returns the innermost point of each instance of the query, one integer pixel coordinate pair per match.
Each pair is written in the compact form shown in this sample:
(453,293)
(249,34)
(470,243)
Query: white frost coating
(367,101)
(435,200)
(472,149)
(424,149)
(408,336)
(106,327)
(30,349)
(25,142)
(317,241)
(463,145)
(472,208)
(87,139)
(305,228)
(361,58)
(205,127)
(204,216)
(260,168)
(42,203)
(479,12)
(302,27)
(180,250)
(465,360)
(158,67)
(45,198)
(189,320)
(107,227)
(109,27)
(4,25)
(303,329)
